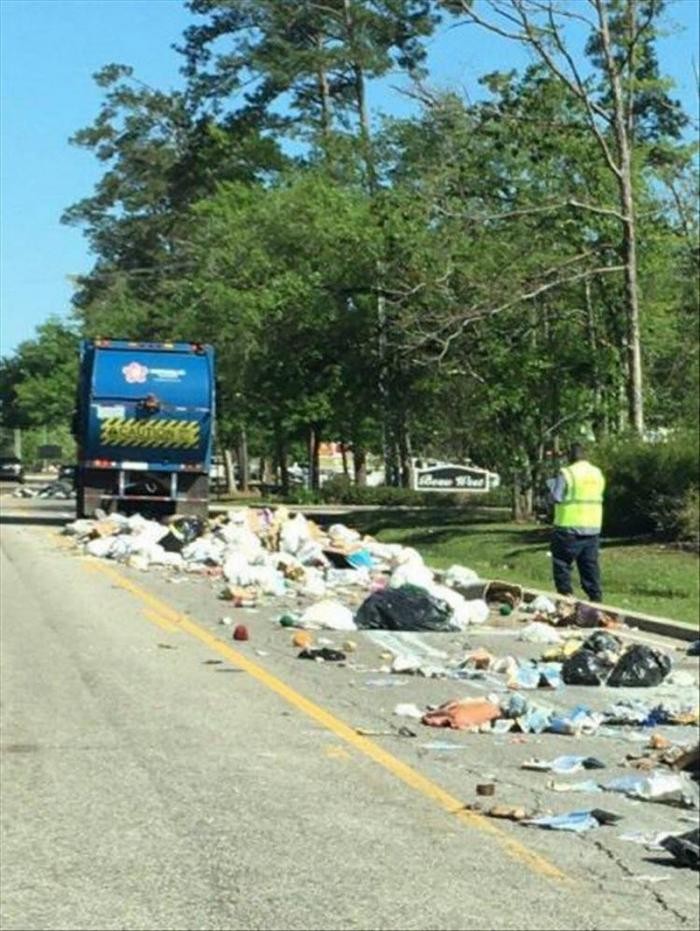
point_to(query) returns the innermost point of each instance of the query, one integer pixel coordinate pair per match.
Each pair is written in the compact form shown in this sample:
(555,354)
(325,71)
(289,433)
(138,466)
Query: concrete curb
(647,622)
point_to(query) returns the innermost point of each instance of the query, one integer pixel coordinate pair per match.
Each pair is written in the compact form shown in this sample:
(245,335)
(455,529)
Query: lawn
(643,576)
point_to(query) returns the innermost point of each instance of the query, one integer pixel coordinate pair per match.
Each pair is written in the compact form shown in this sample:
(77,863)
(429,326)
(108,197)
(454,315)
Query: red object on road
(240,632)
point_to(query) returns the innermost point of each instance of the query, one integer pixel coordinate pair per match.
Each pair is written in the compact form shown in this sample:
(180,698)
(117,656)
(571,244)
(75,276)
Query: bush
(651,487)
(689,518)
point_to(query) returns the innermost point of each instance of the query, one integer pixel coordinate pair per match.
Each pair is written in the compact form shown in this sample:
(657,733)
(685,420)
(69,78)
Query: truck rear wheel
(90,487)
(198,488)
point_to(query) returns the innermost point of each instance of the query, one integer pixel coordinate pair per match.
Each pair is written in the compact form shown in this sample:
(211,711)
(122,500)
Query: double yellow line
(166,615)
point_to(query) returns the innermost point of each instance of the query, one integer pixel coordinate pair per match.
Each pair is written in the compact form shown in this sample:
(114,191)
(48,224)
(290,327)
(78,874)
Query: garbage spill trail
(562,681)
(345,732)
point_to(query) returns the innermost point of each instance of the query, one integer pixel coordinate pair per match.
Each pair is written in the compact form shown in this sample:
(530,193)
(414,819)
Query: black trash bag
(600,641)
(640,665)
(404,608)
(324,653)
(181,531)
(694,649)
(685,848)
(188,528)
(584,668)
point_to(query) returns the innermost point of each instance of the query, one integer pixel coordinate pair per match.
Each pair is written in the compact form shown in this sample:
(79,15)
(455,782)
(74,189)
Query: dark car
(67,473)
(11,468)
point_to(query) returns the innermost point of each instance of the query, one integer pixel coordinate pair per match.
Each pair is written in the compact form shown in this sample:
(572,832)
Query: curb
(637,619)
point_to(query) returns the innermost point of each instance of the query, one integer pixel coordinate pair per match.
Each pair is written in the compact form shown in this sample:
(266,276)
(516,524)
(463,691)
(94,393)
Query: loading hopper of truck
(144,426)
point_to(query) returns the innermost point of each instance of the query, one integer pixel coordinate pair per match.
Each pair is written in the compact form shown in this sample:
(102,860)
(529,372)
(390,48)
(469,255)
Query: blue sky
(49,50)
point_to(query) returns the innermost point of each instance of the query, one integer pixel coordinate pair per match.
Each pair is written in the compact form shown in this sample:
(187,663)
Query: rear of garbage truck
(144,426)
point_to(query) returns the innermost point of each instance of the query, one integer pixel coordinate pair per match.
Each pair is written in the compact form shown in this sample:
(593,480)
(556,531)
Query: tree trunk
(591,329)
(368,156)
(281,453)
(229,471)
(359,456)
(344,454)
(314,457)
(324,92)
(623,125)
(405,452)
(243,462)
(523,498)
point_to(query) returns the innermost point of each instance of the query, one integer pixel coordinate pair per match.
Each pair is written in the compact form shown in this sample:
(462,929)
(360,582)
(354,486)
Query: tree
(624,104)
(160,158)
(38,382)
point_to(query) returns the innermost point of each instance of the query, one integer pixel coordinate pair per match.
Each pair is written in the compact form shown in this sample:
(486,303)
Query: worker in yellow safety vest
(577,493)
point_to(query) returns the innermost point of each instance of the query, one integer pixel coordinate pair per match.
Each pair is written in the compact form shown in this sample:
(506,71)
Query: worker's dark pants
(568,548)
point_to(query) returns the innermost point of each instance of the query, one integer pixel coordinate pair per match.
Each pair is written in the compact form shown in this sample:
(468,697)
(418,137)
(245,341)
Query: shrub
(650,486)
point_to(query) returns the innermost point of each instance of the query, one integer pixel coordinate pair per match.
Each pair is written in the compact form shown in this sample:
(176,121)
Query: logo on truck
(135,373)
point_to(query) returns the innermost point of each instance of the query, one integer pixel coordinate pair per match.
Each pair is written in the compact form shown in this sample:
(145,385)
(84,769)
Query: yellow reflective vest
(582,507)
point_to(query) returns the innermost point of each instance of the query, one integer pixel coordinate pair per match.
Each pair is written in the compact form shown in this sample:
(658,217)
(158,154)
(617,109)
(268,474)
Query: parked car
(67,473)
(11,468)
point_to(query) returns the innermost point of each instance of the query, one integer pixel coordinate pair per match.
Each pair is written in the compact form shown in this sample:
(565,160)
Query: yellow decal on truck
(154,434)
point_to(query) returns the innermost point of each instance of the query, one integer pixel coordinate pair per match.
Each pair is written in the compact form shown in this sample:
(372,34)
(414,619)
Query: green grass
(642,576)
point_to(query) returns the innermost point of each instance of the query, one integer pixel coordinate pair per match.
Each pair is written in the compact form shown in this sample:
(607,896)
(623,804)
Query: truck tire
(197,488)
(90,486)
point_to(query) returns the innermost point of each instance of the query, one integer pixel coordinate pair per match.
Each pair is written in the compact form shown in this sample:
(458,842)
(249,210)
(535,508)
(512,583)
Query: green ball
(505,609)
(287,620)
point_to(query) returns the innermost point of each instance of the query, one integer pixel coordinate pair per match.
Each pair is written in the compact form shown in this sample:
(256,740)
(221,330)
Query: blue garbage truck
(144,425)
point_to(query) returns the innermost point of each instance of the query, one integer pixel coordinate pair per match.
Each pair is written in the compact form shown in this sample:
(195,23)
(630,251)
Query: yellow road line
(159,620)
(364,745)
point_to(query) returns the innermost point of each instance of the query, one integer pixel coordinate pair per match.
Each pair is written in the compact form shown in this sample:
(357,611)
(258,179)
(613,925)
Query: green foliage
(445,285)
(651,487)
(38,383)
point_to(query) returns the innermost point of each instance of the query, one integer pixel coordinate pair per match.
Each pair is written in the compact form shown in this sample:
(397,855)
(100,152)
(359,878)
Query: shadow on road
(38,520)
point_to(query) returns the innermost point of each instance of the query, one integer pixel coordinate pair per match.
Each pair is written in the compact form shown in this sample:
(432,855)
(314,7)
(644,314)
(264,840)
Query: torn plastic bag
(584,668)
(461,611)
(411,573)
(267,579)
(543,605)
(537,632)
(564,765)
(237,571)
(535,675)
(460,575)
(601,641)
(238,537)
(576,821)
(102,547)
(311,553)
(294,533)
(341,534)
(580,720)
(205,550)
(685,848)
(328,614)
(403,609)
(657,786)
(640,665)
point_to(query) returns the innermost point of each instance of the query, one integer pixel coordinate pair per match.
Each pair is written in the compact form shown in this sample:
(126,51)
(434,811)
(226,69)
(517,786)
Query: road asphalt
(156,774)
